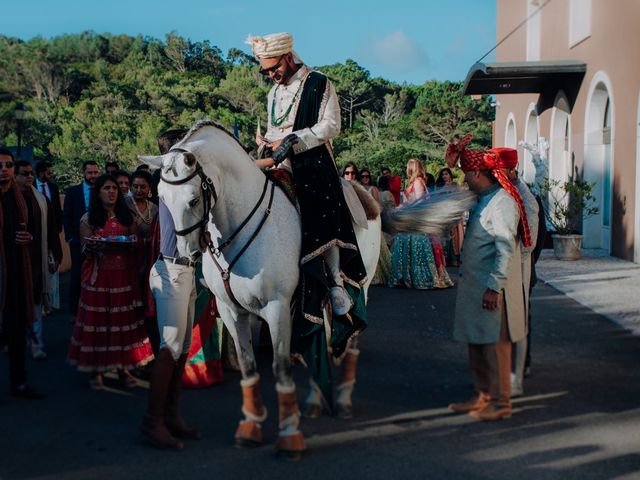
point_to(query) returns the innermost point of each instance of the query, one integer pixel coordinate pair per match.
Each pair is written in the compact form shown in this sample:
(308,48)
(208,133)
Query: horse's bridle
(208,190)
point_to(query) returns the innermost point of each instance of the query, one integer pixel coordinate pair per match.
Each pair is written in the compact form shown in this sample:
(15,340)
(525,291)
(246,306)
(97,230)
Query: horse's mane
(210,123)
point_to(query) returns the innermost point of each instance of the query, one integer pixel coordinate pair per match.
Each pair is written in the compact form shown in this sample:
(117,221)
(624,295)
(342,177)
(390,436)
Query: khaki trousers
(174,290)
(490,366)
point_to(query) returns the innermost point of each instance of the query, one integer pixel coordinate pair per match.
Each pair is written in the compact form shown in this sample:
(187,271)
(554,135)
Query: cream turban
(272,45)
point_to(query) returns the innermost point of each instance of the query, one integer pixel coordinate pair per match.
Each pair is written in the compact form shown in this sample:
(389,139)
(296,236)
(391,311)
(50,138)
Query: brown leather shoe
(477,402)
(492,412)
(157,434)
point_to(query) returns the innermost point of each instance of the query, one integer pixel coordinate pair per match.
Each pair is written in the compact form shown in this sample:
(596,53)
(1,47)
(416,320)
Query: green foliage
(570,202)
(106,97)
(354,87)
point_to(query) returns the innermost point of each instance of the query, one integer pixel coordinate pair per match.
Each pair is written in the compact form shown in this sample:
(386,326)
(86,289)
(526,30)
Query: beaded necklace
(277,121)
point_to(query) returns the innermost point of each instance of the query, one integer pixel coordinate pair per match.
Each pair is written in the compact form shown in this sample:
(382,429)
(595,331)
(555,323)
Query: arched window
(533,31)
(560,161)
(531,136)
(598,159)
(510,134)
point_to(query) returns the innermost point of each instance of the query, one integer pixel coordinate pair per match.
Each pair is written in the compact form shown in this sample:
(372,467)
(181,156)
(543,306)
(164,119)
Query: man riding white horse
(303,118)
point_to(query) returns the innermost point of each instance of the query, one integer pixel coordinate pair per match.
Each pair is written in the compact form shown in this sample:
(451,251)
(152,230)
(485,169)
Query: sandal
(96,383)
(126,379)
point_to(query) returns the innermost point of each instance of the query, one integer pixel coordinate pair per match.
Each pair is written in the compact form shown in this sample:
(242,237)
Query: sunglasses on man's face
(349,172)
(8,164)
(267,71)
(28,173)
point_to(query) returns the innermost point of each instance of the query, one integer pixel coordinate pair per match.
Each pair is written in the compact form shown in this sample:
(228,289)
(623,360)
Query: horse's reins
(209,190)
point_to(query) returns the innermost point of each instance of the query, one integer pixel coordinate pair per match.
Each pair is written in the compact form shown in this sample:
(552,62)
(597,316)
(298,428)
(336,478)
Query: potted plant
(569,203)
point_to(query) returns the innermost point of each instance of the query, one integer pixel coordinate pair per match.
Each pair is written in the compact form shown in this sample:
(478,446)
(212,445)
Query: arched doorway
(598,161)
(560,160)
(531,135)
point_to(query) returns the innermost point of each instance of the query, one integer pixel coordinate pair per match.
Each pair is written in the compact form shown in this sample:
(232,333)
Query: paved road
(580,418)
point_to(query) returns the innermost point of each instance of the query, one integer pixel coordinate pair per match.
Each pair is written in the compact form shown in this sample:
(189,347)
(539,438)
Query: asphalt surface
(579,418)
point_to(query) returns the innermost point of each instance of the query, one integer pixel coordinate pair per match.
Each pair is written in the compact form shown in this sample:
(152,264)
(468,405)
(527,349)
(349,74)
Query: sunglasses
(6,164)
(26,174)
(365,176)
(267,71)
(349,172)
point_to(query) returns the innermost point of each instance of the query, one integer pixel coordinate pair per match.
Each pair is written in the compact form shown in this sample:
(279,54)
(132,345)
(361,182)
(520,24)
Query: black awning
(545,78)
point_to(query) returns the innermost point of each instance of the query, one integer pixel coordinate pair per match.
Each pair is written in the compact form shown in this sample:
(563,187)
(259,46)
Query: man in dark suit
(16,281)
(44,175)
(76,203)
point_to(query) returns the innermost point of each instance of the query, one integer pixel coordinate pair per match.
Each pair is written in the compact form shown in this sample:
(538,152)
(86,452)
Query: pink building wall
(612,55)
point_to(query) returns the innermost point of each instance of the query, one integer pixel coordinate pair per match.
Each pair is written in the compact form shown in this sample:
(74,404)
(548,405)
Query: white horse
(251,255)
(251,264)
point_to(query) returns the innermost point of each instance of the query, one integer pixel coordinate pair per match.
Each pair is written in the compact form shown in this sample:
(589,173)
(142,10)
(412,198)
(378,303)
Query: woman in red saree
(109,332)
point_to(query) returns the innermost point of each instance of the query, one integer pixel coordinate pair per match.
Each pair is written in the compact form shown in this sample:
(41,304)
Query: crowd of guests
(110,223)
(411,260)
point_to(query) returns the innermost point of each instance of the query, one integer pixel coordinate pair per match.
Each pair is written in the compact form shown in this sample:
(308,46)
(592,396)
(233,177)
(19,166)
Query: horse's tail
(435,216)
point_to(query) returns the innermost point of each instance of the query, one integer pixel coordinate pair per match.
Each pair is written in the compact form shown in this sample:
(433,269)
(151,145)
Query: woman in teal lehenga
(413,261)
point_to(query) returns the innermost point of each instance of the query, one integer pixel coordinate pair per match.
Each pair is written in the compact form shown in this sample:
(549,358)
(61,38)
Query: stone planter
(567,247)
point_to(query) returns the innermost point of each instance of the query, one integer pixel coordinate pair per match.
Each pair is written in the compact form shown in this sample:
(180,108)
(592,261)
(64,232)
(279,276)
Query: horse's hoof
(246,443)
(289,456)
(248,435)
(343,411)
(312,410)
(290,447)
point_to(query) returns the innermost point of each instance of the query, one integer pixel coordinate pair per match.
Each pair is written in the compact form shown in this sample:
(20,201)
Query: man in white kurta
(282,106)
(301,123)
(490,311)
(303,118)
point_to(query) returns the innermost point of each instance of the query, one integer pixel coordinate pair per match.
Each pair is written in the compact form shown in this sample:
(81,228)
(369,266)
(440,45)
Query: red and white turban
(494,160)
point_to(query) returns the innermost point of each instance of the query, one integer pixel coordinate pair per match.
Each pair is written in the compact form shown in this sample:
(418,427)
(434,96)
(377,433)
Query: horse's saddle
(362,206)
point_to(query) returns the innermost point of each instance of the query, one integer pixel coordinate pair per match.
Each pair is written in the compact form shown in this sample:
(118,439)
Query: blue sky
(405,40)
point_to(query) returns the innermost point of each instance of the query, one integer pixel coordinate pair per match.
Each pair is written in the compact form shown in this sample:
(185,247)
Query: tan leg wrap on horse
(252,405)
(290,439)
(287,405)
(349,366)
(345,388)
